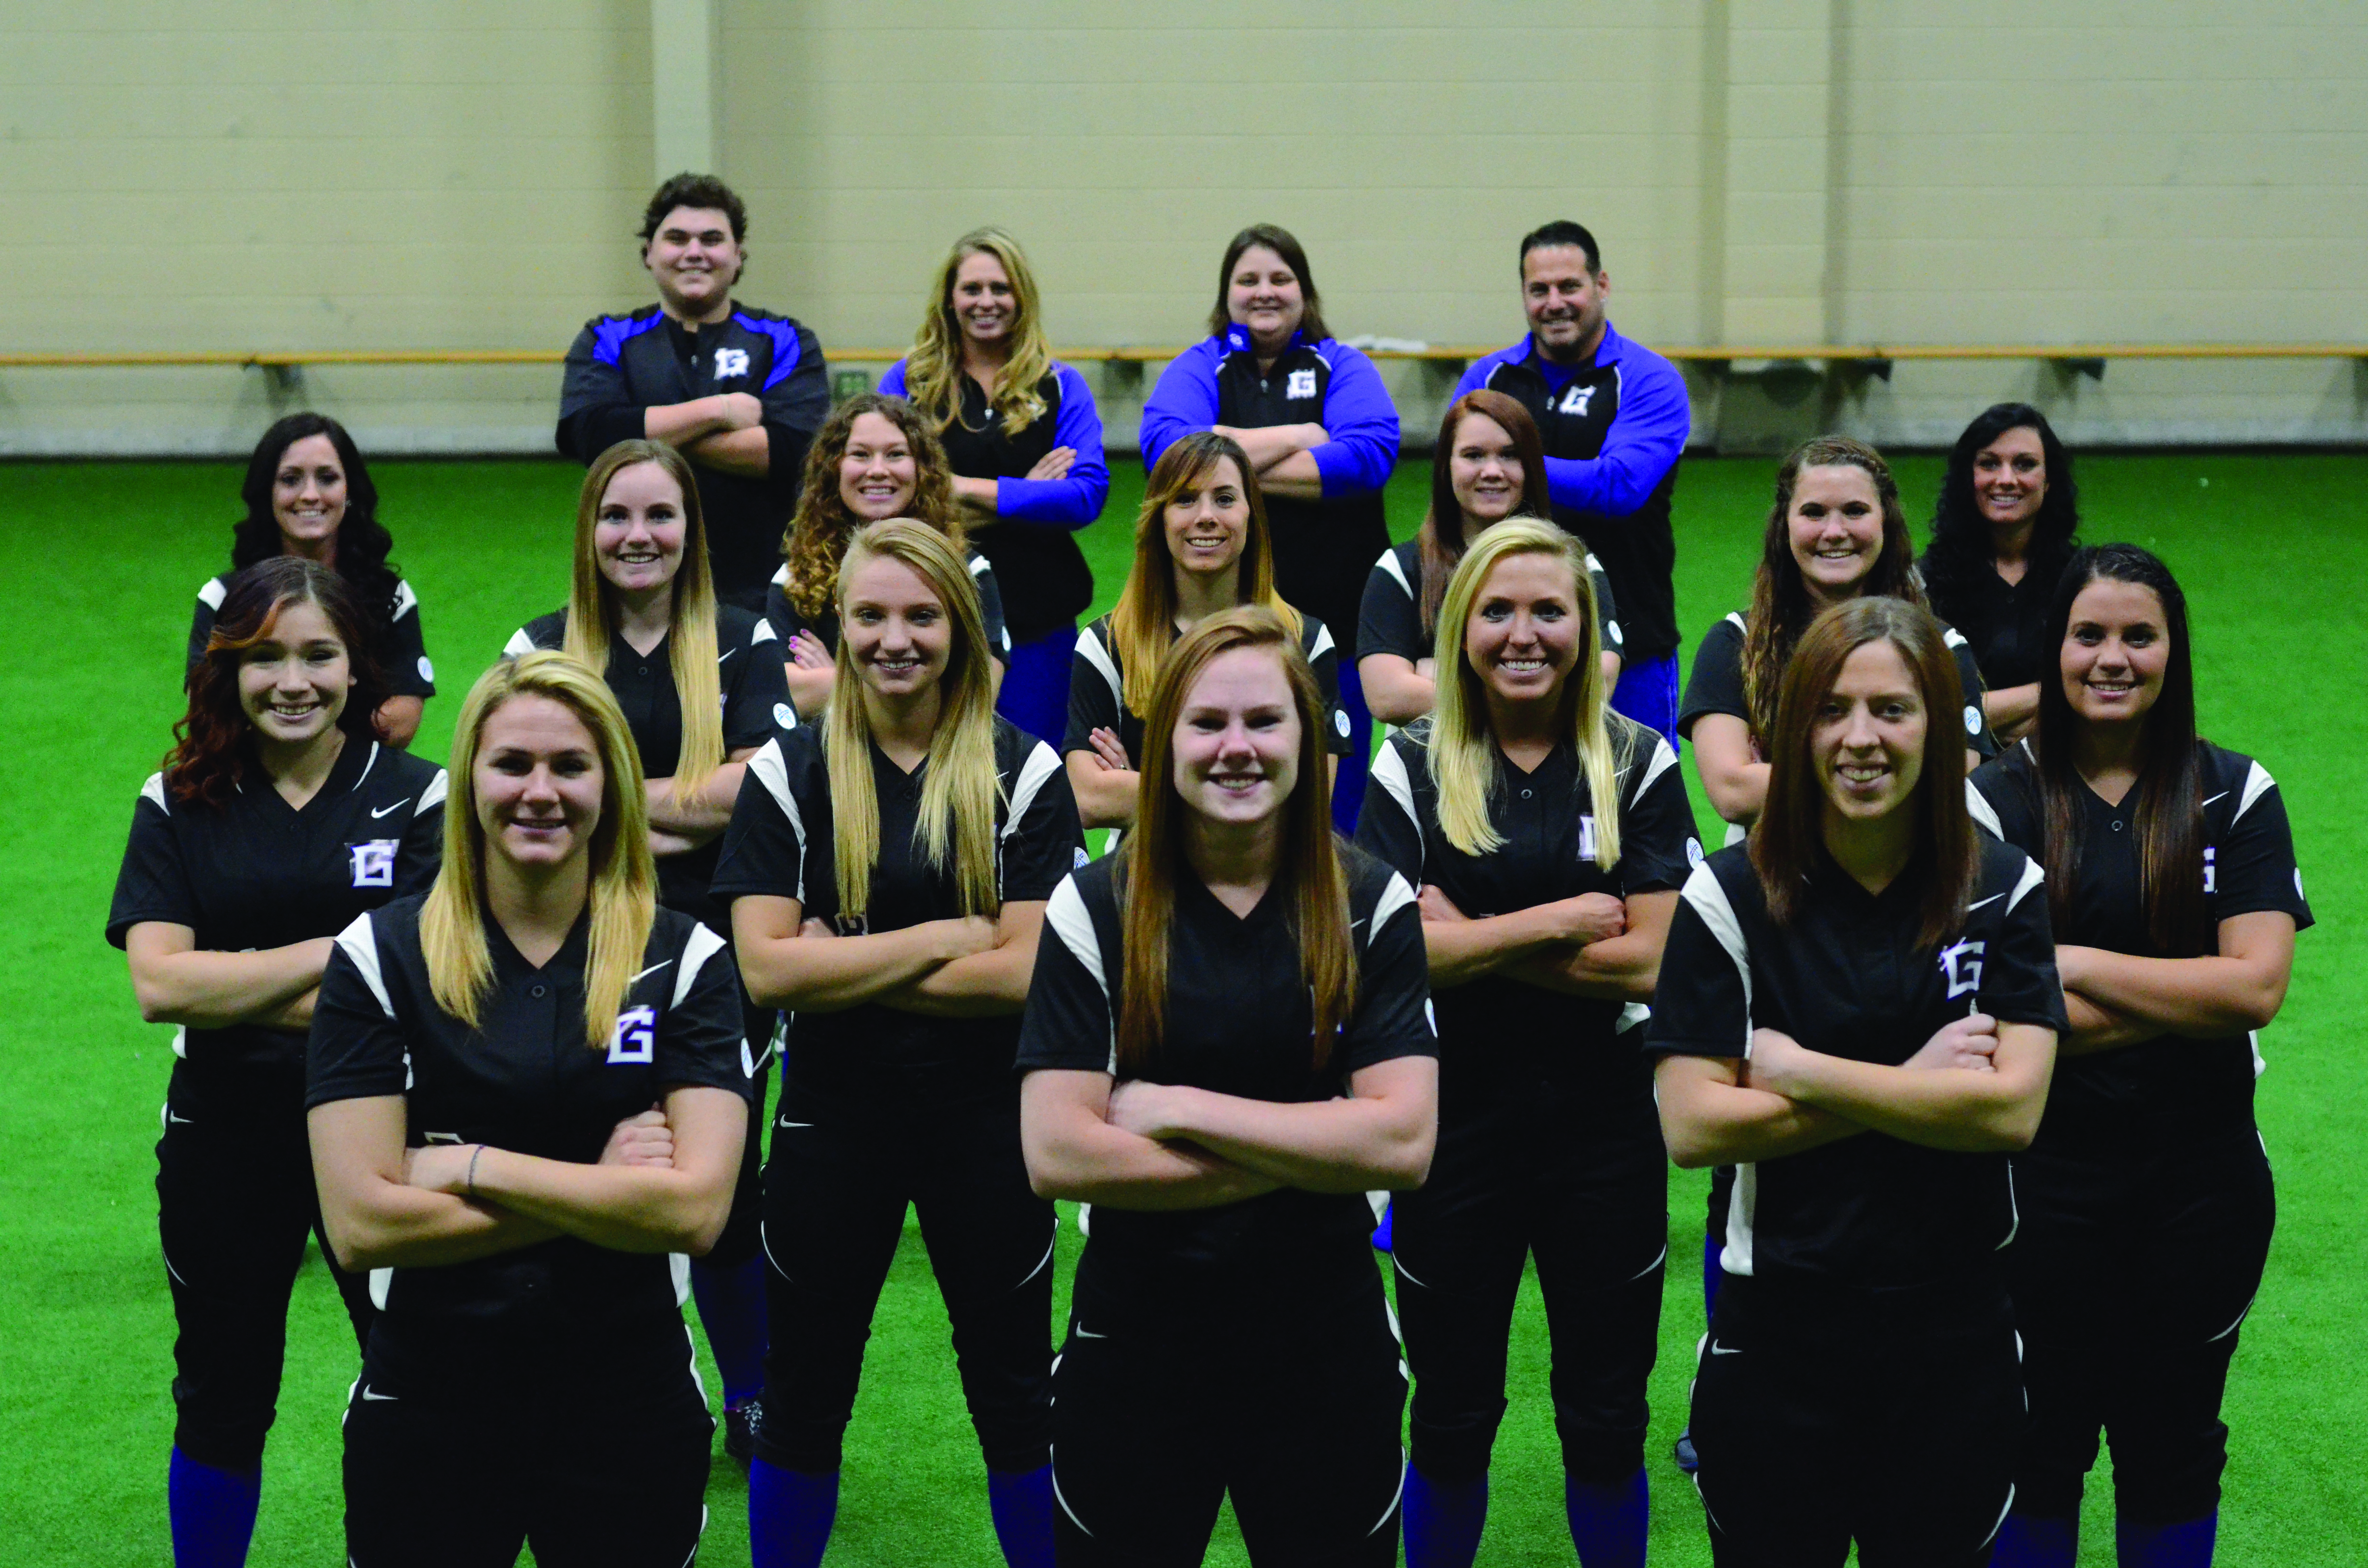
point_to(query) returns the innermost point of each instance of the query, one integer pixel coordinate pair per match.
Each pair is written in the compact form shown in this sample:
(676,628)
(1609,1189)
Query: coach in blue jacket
(1614,419)
(739,392)
(1321,431)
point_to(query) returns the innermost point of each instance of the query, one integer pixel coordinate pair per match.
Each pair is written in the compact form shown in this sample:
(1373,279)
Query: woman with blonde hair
(526,1088)
(1024,440)
(887,871)
(1227,1047)
(699,684)
(873,459)
(1202,546)
(1564,827)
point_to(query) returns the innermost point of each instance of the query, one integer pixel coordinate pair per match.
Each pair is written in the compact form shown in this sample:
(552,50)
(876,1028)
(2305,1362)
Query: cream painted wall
(369,174)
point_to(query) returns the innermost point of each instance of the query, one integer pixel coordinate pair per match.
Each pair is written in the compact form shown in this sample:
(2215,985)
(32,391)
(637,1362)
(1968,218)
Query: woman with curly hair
(279,817)
(308,493)
(874,457)
(2002,530)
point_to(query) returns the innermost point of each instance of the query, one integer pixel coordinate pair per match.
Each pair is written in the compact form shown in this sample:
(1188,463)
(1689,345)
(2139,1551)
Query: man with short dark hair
(1614,419)
(740,391)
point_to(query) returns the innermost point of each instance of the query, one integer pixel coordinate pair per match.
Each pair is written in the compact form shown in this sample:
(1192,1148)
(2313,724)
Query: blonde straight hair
(1142,623)
(623,879)
(933,370)
(959,787)
(592,612)
(1464,753)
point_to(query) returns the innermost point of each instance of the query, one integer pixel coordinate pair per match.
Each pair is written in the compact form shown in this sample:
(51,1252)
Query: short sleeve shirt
(256,872)
(2169,1092)
(401,651)
(1239,1021)
(780,845)
(1390,621)
(1715,683)
(1847,978)
(1098,691)
(788,621)
(527,1080)
(2006,622)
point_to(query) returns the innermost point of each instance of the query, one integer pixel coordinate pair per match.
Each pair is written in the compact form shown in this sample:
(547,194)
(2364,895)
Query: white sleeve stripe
(213,593)
(1040,766)
(703,945)
(2257,783)
(155,790)
(1664,758)
(361,945)
(1709,899)
(406,602)
(1397,895)
(434,795)
(1952,638)
(763,632)
(979,566)
(774,774)
(1388,564)
(2031,877)
(519,645)
(1977,805)
(782,578)
(1065,915)
(1107,667)
(1390,773)
(1734,619)
(1323,643)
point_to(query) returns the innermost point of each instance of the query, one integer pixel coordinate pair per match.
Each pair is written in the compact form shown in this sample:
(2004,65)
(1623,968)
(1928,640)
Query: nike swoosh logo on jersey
(1085,1333)
(1718,1349)
(652,969)
(369,1392)
(794,1124)
(396,807)
(2209,799)
(186,1121)
(1978,902)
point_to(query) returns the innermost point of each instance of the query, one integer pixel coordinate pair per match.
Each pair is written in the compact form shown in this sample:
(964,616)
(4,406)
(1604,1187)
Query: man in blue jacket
(740,391)
(1614,419)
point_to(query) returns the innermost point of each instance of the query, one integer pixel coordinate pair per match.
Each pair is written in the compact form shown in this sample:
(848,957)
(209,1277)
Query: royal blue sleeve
(1476,375)
(1076,500)
(893,383)
(1647,438)
(1182,401)
(1362,424)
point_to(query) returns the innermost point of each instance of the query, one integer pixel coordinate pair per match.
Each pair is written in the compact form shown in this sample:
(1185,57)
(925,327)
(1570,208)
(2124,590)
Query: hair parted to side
(1152,861)
(933,371)
(1464,754)
(819,529)
(1142,623)
(2169,809)
(1281,241)
(1442,524)
(593,611)
(213,740)
(1780,607)
(705,192)
(1962,548)
(623,891)
(1562,232)
(959,786)
(1789,842)
(363,542)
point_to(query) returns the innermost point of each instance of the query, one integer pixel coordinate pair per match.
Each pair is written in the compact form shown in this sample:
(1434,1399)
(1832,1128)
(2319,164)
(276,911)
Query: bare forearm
(978,497)
(1108,797)
(1737,794)
(1728,1124)
(398,718)
(2007,706)
(623,1208)
(1624,968)
(810,688)
(1342,1145)
(1268,445)
(705,811)
(1104,1165)
(830,974)
(1296,477)
(982,985)
(395,1226)
(2199,997)
(1395,693)
(2095,1028)
(1953,1109)
(681,424)
(748,453)
(208,989)
(1461,950)
(294,1016)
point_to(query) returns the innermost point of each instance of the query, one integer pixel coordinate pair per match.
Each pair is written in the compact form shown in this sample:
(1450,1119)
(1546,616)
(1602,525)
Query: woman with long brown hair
(280,815)
(887,871)
(1227,1046)
(1858,1010)
(2146,1197)
(873,459)
(1202,547)
(526,1093)
(1488,466)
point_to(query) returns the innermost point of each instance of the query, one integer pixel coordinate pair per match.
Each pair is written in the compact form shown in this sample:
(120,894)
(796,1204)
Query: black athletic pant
(1829,1414)
(1585,1187)
(234,1200)
(2130,1281)
(842,1172)
(591,1448)
(1287,1399)
(744,1229)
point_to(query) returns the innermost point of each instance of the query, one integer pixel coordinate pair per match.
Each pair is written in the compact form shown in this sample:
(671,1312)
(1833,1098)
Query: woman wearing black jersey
(1024,439)
(1549,837)
(887,871)
(699,684)
(1226,1045)
(2002,529)
(874,457)
(309,494)
(2146,1198)
(1202,546)
(1490,467)
(525,1088)
(279,817)
(1859,1010)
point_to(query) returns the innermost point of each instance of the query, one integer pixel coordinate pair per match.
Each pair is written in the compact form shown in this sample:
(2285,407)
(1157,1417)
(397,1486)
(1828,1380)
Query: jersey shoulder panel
(738,627)
(610,334)
(154,792)
(213,590)
(545,631)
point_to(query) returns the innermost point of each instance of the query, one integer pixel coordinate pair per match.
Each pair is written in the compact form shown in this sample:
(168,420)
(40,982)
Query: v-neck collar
(345,775)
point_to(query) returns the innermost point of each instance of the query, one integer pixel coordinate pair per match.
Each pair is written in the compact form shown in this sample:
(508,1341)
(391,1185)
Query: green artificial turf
(104,558)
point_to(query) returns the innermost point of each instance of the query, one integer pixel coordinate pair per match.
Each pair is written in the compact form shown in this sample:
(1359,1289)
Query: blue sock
(2187,1544)
(213,1512)
(1711,1273)
(1606,1520)
(790,1514)
(1381,1231)
(2025,1541)
(732,1310)
(1443,1519)
(1021,1503)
